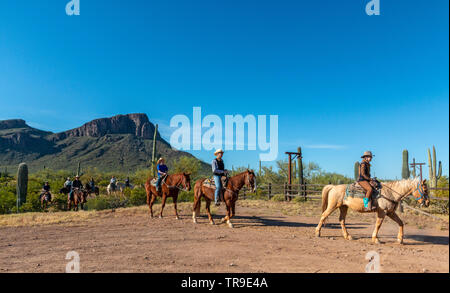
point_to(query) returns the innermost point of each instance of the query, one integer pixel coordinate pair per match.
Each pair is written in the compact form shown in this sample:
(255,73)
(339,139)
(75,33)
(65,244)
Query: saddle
(209,182)
(154,180)
(356,191)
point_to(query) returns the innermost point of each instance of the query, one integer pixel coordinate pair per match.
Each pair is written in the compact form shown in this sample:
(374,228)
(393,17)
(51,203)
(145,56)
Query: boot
(368,207)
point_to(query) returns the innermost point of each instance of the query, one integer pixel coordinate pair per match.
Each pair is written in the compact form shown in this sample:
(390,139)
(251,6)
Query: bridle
(420,189)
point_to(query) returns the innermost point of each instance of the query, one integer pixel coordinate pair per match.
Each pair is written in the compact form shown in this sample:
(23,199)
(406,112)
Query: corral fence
(306,191)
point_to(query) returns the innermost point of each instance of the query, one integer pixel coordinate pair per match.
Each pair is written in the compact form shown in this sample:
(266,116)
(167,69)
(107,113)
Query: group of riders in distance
(367,194)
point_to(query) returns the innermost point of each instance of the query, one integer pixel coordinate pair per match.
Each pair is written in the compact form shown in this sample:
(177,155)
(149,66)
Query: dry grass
(310,208)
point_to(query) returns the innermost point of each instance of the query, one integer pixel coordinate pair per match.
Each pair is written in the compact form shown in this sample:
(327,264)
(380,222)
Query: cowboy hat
(367,154)
(218,151)
(159,160)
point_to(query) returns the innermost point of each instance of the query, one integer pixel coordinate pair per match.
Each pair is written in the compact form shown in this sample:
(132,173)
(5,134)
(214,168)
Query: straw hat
(367,154)
(159,160)
(218,151)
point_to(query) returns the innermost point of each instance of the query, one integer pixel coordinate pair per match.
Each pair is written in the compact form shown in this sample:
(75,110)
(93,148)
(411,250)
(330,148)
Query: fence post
(269,191)
(305,193)
(285,191)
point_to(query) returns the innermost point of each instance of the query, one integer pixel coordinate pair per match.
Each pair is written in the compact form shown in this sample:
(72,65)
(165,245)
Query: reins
(421,192)
(174,186)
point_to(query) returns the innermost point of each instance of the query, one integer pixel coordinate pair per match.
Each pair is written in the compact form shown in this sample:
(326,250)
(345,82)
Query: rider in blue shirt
(218,169)
(162,172)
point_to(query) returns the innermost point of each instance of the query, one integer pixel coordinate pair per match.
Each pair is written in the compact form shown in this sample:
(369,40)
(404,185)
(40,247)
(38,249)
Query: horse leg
(380,218)
(229,214)
(324,216)
(399,221)
(164,197)
(208,204)
(150,205)
(194,207)
(175,198)
(233,209)
(342,216)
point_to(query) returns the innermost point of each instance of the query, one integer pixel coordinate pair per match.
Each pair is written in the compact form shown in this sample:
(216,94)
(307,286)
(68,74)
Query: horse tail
(325,191)
(197,196)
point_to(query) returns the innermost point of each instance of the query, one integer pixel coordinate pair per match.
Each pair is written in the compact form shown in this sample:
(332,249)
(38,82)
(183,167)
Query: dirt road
(268,237)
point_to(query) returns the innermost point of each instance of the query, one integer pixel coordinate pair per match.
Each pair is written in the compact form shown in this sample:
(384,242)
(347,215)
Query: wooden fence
(307,191)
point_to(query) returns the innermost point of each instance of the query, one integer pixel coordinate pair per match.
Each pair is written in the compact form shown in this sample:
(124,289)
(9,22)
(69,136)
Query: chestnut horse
(230,195)
(334,196)
(79,198)
(46,198)
(170,187)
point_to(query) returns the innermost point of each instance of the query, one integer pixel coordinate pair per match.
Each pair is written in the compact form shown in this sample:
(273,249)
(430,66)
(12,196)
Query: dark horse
(78,198)
(89,190)
(45,198)
(64,190)
(229,194)
(169,188)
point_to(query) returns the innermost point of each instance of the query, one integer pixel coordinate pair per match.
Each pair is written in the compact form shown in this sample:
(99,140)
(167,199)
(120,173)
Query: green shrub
(186,196)
(278,197)
(99,203)
(7,201)
(138,197)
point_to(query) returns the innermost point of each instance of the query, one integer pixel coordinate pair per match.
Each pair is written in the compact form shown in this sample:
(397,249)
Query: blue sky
(340,81)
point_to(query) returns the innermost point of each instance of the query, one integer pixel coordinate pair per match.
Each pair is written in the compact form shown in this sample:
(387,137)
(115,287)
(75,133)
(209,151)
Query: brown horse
(170,187)
(79,198)
(230,195)
(46,198)
(333,197)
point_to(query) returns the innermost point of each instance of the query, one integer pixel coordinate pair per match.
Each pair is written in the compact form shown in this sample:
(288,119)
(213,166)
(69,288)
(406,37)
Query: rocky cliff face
(136,124)
(13,123)
(121,143)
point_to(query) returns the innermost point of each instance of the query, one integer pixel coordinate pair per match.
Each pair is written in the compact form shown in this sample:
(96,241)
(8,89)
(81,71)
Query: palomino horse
(333,197)
(230,195)
(170,187)
(79,198)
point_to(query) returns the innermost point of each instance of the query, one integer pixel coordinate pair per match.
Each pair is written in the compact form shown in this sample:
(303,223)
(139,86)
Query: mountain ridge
(118,143)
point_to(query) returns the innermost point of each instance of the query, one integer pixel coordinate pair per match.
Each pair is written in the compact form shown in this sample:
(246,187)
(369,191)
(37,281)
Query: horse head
(250,180)
(421,193)
(186,181)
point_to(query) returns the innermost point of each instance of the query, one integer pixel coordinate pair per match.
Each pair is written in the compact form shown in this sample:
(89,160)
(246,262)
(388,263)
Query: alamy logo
(73,266)
(73,7)
(374,262)
(373,7)
(193,137)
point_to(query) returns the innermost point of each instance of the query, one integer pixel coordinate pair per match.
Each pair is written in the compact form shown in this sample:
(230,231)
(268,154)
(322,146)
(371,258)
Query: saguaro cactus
(79,169)
(154,151)
(434,171)
(356,170)
(405,165)
(22,184)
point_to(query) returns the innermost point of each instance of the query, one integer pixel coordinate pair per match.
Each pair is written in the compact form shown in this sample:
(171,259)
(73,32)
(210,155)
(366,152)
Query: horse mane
(242,173)
(402,184)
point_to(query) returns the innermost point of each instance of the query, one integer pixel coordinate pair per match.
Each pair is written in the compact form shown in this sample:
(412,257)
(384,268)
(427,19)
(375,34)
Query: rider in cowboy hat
(364,179)
(75,184)
(218,169)
(162,172)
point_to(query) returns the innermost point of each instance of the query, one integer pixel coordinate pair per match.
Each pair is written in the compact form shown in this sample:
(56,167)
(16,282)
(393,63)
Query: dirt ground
(267,237)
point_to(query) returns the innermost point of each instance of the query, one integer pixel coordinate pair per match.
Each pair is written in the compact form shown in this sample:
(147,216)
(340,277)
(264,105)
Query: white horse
(120,187)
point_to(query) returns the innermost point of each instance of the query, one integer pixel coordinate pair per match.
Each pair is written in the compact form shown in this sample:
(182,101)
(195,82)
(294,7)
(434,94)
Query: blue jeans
(158,183)
(218,182)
